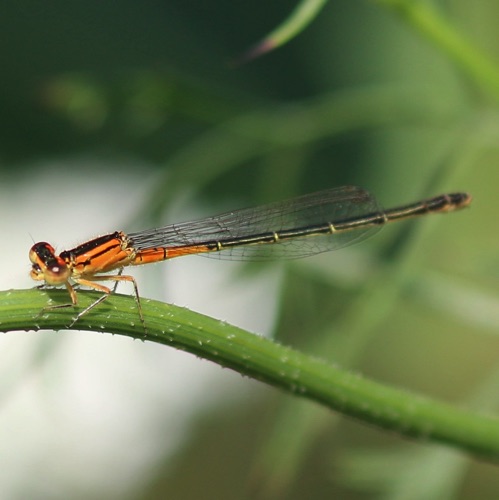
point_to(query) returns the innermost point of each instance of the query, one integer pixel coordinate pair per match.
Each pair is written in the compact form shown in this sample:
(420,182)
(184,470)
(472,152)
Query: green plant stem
(427,20)
(305,12)
(303,375)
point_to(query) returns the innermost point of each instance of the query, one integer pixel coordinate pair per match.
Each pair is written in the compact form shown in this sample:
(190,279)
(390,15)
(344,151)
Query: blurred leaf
(300,18)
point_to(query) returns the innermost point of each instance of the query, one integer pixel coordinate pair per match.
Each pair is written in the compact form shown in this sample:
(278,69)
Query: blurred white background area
(93,413)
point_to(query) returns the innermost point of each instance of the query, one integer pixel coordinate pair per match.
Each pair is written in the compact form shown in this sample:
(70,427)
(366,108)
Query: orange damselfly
(299,227)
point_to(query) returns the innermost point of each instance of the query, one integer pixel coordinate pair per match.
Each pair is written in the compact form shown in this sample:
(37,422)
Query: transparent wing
(332,206)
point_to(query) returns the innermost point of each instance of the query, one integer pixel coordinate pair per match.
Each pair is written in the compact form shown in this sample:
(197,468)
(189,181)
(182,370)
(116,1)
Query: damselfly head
(47,266)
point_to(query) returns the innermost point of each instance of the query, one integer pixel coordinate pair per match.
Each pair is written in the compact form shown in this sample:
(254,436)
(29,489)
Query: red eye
(41,251)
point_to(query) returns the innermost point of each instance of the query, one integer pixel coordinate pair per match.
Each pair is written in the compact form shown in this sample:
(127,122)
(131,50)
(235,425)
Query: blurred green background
(151,91)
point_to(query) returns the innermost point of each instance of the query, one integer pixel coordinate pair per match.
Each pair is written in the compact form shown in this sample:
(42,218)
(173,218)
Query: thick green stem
(303,375)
